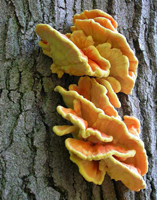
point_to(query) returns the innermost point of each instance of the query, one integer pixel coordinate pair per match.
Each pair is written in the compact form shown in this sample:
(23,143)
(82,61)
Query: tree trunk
(34,163)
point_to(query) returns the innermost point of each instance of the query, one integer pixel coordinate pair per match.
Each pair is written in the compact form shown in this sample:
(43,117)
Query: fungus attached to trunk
(90,170)
(90,151)
(102,142)
(79,114)
(67,57)
(95,14)
(101,95)
(127,173)
(108,125)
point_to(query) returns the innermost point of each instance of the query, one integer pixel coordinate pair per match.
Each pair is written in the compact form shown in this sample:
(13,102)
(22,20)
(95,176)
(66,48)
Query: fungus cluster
(102,142)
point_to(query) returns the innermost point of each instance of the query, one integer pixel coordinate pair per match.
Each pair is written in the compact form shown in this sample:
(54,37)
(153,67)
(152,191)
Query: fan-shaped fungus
(67,57)
(102,142)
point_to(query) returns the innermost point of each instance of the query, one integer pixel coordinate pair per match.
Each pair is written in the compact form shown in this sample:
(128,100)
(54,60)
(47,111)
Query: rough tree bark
(34,163)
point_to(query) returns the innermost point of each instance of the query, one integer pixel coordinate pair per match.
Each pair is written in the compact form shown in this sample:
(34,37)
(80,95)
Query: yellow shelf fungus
(102,142)
(67,57)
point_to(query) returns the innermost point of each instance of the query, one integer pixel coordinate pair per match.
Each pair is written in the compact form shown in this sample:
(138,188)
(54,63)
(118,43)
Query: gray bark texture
(34,163)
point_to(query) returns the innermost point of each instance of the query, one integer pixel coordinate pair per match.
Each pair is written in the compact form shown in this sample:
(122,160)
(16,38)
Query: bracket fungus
(102,142)
(67,57)
(108,125)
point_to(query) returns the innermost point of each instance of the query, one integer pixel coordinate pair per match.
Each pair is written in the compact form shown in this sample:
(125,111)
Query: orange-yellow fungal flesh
(90,170)
(92,53)
(45,47)
(89,151)
(67,57)
(95,13)
(110,44)
(119,66)
(108,125)
(95,136)
(102,142)
(94,171)
(90,89)
(114,84)
(63,130)
(117,45)
(106,57)
(122,137)
(80,39)
(110,92)
(82,130)
(71,116)
(102,35)
(105,23)
(127,173)
(132,124)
